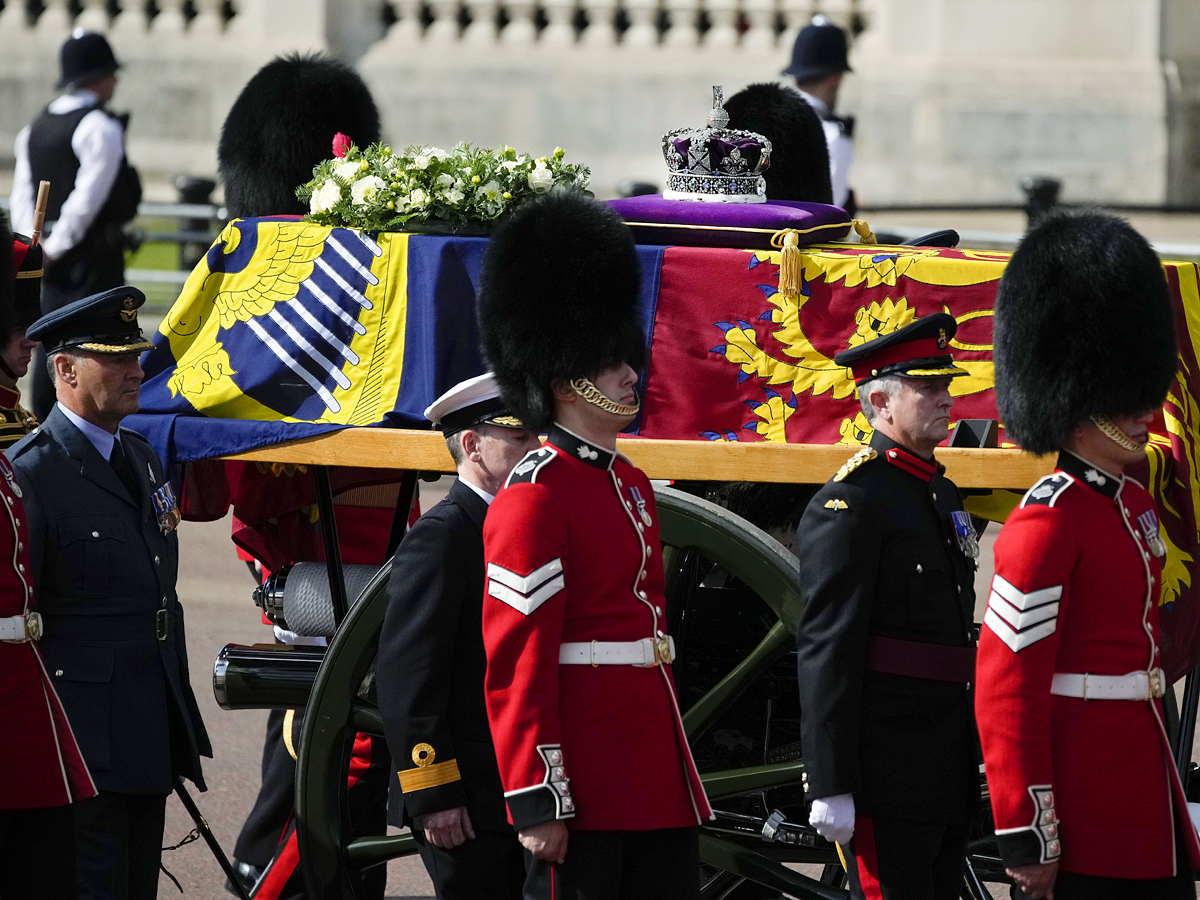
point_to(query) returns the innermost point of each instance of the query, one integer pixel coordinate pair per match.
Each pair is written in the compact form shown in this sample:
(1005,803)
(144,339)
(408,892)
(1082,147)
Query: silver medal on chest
(640,502)
(1148,522)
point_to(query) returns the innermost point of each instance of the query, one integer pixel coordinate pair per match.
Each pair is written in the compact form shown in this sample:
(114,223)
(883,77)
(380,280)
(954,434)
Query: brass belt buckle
(1155,683)
(33,626)
(662,651)
(160,625)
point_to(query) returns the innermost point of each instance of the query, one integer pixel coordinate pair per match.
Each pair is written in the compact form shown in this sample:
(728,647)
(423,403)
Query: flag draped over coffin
(286,328)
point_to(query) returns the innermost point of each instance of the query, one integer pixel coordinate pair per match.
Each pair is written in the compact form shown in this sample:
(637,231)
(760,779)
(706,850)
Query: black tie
(121,466)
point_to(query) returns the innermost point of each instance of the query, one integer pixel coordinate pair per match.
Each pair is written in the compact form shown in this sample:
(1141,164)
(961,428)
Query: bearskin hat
(282,125)
(560,297)
(799,154)
(8,281)
(27,262)
(1084,325)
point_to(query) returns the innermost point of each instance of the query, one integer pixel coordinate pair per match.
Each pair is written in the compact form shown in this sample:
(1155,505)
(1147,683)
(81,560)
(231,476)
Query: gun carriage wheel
(703,545)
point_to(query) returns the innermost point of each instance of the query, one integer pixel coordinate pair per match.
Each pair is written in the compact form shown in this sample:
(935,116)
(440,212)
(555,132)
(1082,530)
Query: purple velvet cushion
(655,220)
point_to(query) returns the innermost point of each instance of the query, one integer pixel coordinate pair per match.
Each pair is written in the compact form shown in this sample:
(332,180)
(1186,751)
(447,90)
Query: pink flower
(341,145)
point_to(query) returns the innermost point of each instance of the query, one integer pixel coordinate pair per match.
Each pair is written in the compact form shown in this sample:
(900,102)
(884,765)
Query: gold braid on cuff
(592,394)
(1115,434)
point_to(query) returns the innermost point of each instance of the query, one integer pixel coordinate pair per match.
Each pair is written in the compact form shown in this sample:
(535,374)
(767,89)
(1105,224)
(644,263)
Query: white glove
(1194,813)
(833,817)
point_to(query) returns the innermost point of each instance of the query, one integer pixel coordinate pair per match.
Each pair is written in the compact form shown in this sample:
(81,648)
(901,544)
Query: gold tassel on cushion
(865,235)
(790,265)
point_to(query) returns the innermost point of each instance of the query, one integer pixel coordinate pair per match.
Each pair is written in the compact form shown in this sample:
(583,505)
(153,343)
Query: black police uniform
(104,574)
(430,672)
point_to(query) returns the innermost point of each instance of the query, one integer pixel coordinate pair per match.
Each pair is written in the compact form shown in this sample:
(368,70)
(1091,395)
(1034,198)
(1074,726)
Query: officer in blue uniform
(104,555)
(431,660)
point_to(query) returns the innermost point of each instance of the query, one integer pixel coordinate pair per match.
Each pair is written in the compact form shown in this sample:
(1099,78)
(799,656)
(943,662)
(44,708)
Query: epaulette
(866,454)
(526,470)
(1047,490)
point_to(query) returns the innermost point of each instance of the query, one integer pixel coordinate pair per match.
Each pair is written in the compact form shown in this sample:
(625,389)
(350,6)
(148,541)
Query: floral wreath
(377,189)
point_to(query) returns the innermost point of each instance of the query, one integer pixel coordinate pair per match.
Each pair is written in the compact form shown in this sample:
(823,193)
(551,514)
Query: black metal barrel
(265,676)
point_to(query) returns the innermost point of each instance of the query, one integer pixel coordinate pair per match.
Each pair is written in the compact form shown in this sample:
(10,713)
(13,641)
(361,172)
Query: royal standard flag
(287,328)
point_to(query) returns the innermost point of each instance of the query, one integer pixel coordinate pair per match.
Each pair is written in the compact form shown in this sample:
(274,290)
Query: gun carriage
(733,595)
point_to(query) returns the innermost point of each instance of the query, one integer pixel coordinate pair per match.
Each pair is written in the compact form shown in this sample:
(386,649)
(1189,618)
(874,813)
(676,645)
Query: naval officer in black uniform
(431,660)
(886,642)
(101,518)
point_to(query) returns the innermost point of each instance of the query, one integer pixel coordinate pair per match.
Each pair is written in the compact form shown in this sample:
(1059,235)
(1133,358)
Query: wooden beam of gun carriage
(394,448)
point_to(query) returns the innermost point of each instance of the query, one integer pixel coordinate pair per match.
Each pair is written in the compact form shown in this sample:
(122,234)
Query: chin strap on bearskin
(1114,433)
(593,395)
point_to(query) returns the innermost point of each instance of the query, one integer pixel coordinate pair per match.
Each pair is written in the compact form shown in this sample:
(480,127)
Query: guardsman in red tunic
(1086,797)
(15,348)
(596,769)
(41,769)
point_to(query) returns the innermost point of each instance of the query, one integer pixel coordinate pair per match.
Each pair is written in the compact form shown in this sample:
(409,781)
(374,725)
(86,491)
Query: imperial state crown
(715,163)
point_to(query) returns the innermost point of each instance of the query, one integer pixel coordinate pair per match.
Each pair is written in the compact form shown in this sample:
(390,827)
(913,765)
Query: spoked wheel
(749,756)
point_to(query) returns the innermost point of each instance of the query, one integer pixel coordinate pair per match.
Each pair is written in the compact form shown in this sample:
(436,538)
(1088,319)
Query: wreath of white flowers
(377,189)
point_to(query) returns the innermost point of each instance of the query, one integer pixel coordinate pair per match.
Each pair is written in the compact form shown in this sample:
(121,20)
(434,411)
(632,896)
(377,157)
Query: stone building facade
(956,100)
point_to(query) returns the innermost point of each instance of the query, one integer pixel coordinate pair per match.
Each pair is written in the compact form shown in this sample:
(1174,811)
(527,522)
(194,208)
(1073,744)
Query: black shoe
(247,876)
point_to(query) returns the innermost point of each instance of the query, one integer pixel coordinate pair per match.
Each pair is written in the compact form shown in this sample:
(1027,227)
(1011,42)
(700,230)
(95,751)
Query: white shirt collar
(97,436)
(816,103)
(65,103)
(487,498)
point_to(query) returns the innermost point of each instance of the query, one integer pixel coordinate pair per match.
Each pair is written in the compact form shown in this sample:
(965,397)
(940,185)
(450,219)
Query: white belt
(645,653)
(1140,685)
(21,628)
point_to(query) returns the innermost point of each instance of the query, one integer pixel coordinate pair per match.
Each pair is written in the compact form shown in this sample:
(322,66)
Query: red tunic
(573,555)
(1076,591)
(40,764)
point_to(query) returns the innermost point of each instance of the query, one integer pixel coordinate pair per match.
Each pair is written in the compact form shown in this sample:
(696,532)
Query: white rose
(421,161)
(366,189)
(490,192)
(347,171)
(445,180)
(325,197)
(418,198)
(541,178)
(437,152)
(455,195)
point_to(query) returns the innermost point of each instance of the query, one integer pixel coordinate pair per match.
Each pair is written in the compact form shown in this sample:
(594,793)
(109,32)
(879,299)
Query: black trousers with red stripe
(898,859)
(620,865)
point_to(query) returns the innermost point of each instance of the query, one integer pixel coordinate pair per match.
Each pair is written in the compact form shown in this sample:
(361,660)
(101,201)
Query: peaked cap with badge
(920,349)
(560,297)
(476,401)
(104,323)
(1084,326)
(282,125)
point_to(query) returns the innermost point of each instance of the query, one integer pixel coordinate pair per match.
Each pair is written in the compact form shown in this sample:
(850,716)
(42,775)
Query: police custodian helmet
(560,297)
(1084,326)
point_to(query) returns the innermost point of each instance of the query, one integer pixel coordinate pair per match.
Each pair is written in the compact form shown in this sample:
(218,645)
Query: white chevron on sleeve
(1018,640)
(1019,620)
(525,593)
(1022,600)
